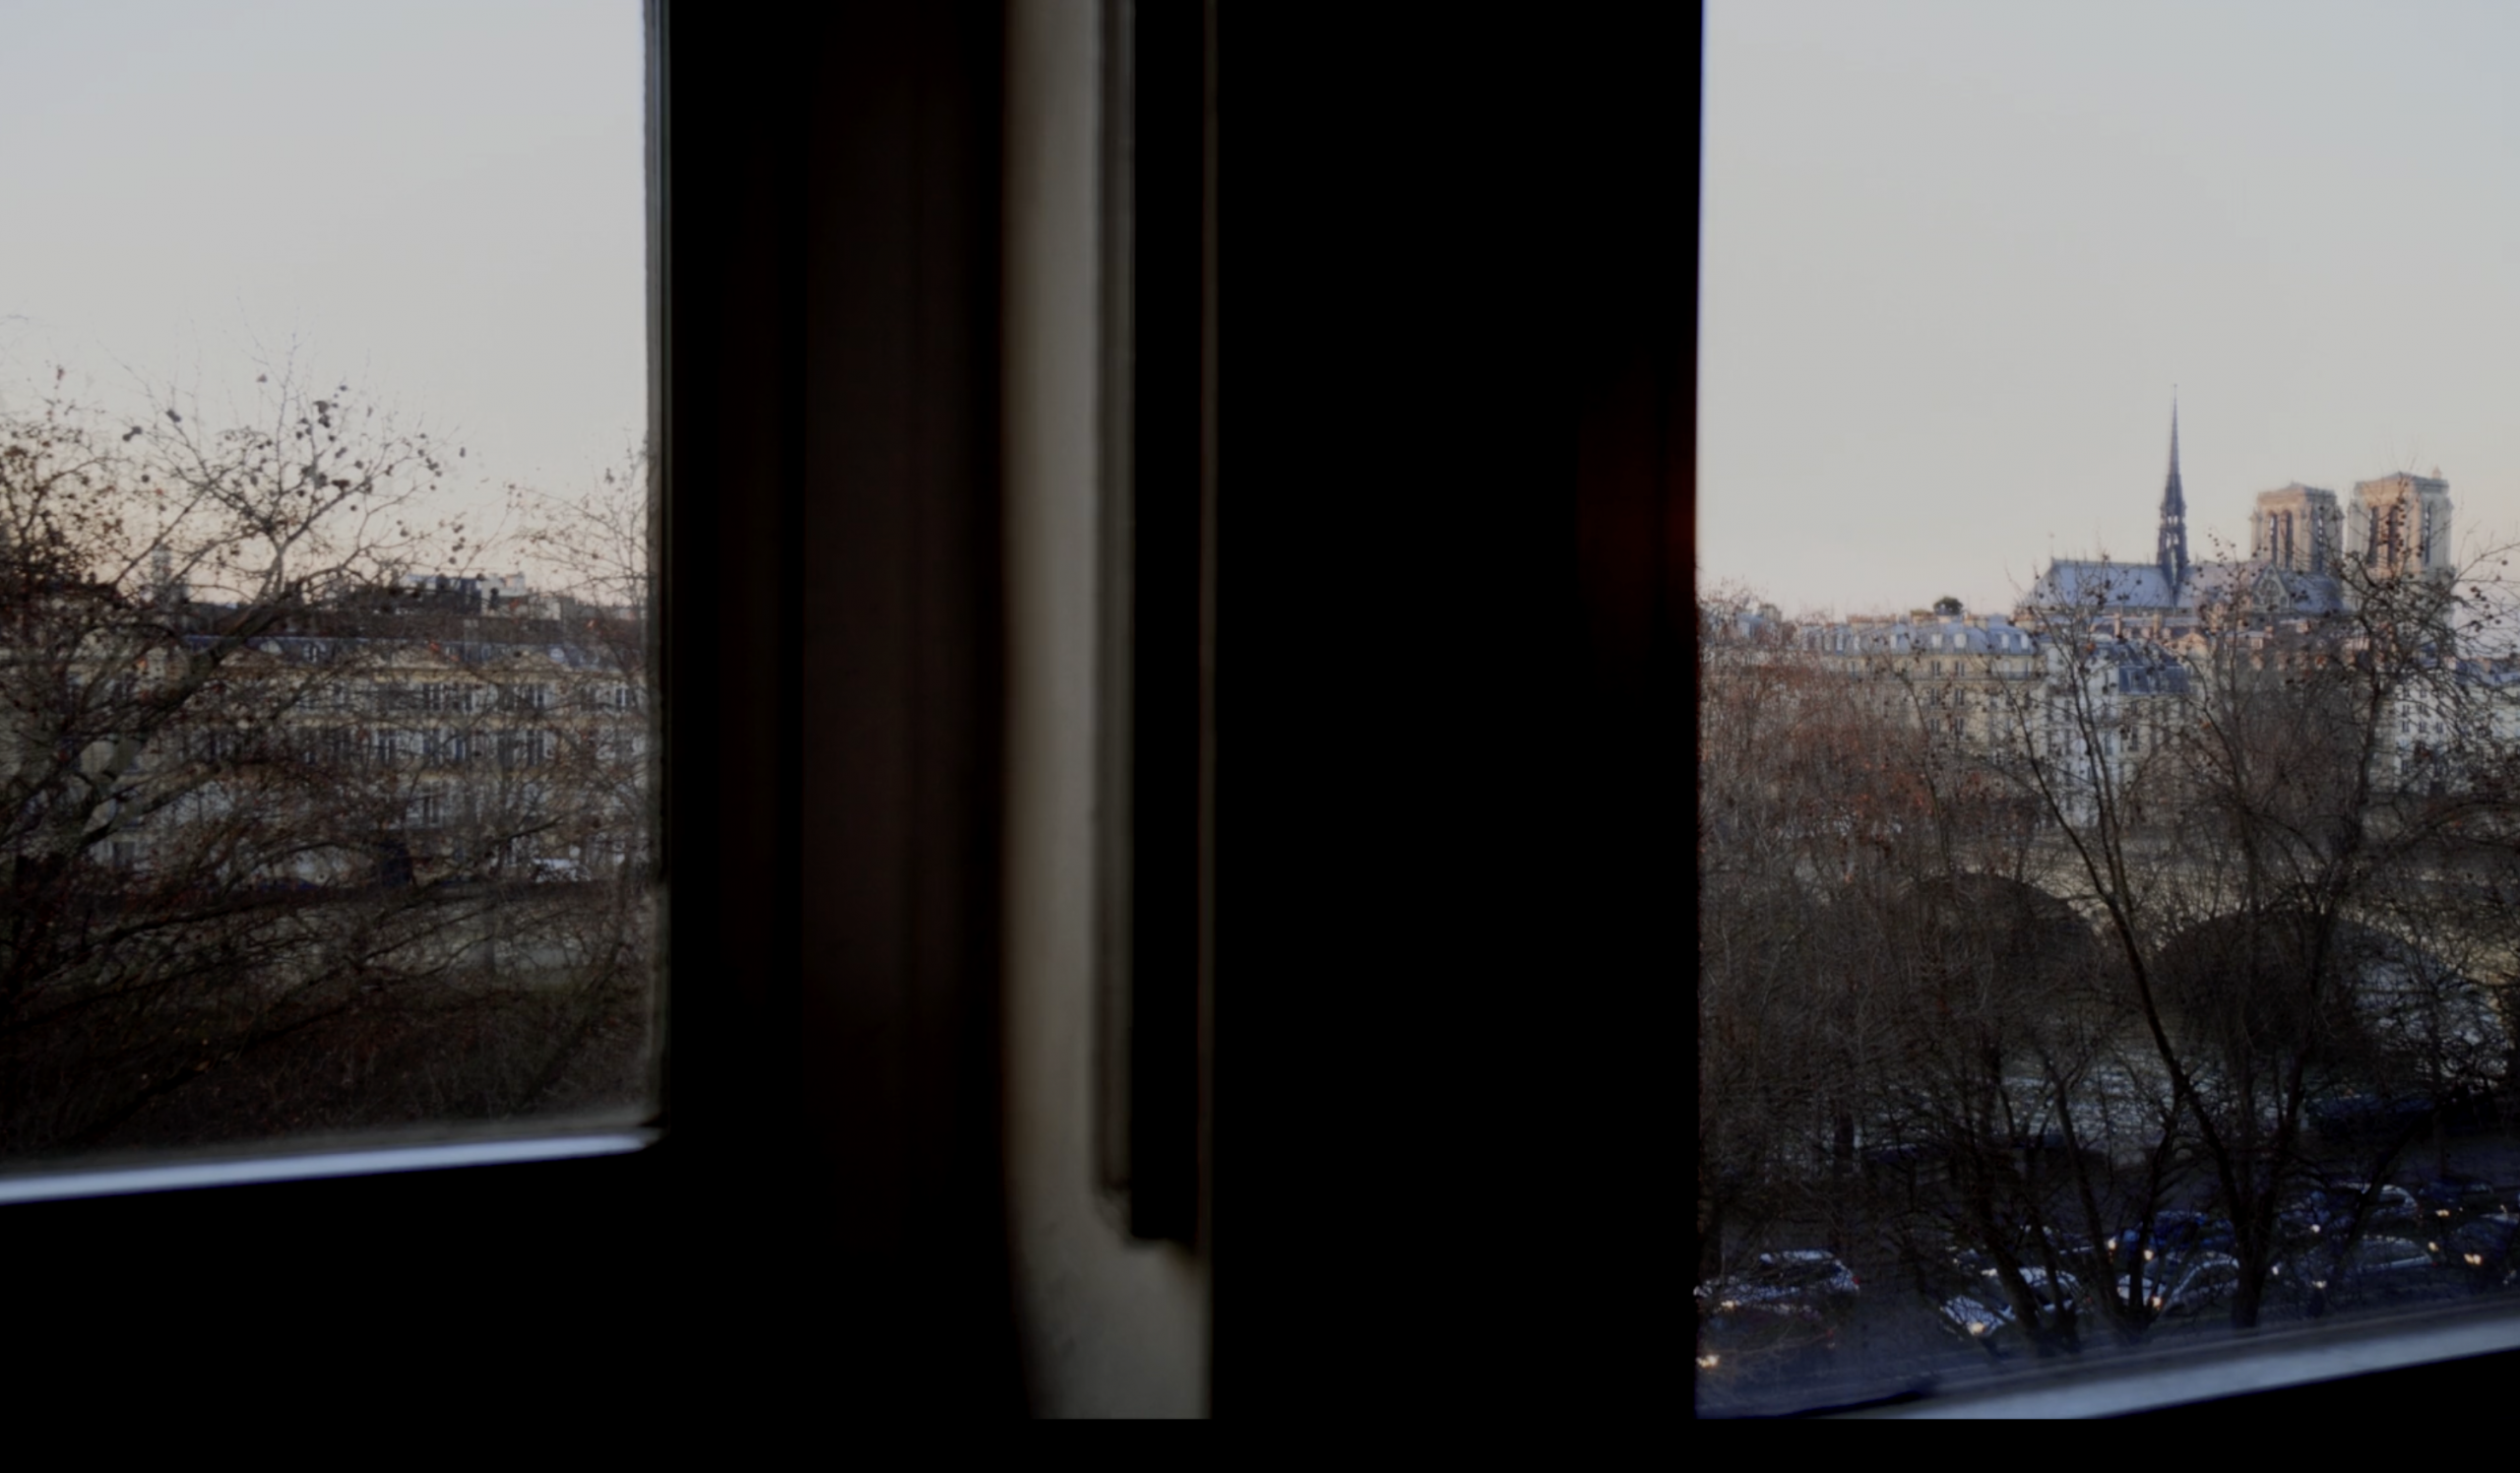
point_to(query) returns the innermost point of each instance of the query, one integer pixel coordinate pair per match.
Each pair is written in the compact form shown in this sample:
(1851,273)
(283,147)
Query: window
(1878,1172)
(828,340)
(167,62)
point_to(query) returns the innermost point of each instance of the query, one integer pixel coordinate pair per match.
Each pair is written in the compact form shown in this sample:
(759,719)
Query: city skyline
(1957,260)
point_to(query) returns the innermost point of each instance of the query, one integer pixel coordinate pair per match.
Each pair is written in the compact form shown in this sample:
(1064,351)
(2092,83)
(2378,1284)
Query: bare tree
(2240,858)
(269,787)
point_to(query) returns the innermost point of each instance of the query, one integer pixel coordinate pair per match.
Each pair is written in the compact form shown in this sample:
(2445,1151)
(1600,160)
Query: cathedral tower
(2402,525)
(2297,529)
(2171,552)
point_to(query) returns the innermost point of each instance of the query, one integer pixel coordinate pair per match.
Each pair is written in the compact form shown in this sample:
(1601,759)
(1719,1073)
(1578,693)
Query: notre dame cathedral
(2298,537)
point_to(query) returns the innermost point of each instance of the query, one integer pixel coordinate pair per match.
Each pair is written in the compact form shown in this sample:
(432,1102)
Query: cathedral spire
(2171,553)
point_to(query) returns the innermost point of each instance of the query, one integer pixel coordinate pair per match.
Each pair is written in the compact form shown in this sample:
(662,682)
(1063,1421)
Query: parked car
(2172,1234)
(2155,1278)
(2385,1208)
(2203,1283)
(1787,1302)
(1790,1282)
(2456,1196)
(2479,1252)
(2027,1248)
(2375,1268)
(1972,1319)
(2326,1213)
(1985,1316)
(2299,1221)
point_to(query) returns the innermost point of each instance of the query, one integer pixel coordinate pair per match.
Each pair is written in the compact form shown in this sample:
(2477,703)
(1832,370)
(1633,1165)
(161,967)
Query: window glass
(2172,997)
(324,776)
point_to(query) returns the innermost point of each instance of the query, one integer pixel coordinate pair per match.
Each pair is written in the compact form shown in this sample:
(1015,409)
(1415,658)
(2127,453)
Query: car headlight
(1708,1363)
(1977,1326)
(2319,1283)
(2476,1260)
(2434,1247)
(1731,1304)
(2148,1255)
(2156,1301)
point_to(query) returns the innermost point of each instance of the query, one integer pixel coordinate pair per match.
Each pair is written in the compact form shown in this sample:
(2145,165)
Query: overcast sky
(439,200)
(1955,256)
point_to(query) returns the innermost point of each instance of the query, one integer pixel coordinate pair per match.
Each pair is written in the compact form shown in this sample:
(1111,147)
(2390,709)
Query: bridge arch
(2367,1008)
(2026,941)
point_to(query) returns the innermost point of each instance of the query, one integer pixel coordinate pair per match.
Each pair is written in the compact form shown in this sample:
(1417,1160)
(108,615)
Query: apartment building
(423,743)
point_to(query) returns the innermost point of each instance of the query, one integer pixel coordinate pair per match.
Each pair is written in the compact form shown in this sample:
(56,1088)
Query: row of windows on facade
(423,804)
(449,696)
(434,810)
(434,747)
(1878,635)
(2001,669)
(465,697)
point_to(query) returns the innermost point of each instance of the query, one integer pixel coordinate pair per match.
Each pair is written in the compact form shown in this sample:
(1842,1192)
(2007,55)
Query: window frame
(1156,634)
(821,1109)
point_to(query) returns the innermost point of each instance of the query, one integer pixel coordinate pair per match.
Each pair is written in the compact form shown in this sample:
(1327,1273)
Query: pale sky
(1955,256)
(440,201)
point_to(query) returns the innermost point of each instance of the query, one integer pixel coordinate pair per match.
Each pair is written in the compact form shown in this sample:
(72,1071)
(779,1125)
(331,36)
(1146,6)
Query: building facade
(407,744)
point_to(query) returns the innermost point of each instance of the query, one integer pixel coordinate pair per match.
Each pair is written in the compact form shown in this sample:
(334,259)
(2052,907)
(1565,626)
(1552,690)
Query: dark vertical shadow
(1454,266)
(901,686)
(1167,851)
(731,264)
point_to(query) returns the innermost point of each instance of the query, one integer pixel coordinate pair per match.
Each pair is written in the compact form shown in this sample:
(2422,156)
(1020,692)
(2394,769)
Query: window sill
(2279,1362)
(176,1177)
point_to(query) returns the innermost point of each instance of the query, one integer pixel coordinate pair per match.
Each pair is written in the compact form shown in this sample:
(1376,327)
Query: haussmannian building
(439,732)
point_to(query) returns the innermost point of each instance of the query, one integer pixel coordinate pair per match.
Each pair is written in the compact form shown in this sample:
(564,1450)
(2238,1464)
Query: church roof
(2098,586)
(2141,588)
(2212,583)
(2306,593)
